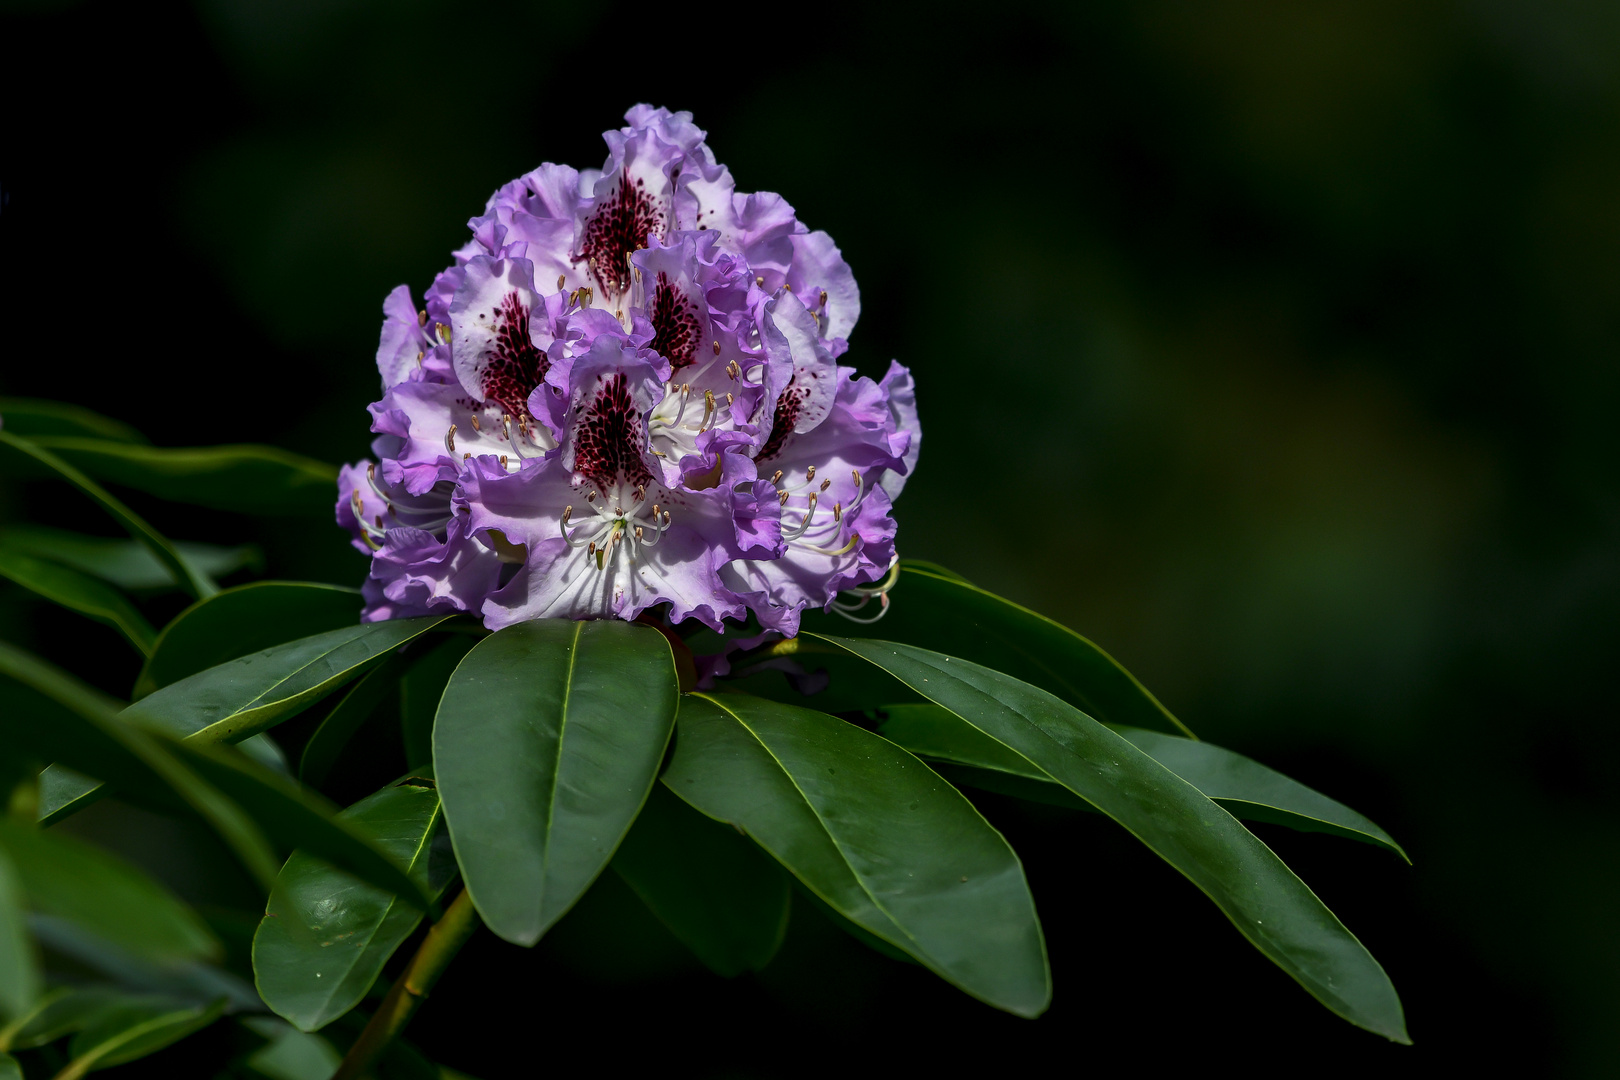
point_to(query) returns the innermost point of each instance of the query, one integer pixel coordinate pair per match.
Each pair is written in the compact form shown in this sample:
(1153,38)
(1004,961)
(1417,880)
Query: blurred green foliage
(1272,346)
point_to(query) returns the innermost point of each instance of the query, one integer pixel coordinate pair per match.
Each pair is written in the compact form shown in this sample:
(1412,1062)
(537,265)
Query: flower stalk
(441,945)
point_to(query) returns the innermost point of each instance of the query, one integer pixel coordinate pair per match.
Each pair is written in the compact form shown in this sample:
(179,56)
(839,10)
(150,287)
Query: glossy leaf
(246,479)
(37,416)
(79,592)
(19,966)
(242,697)
(327,744)
(873,832)
(72,880)
(546,742)
(947,615)
(134,1028)
(1262,897)
(47,713)
(715,890)
(1244,788)
(191,579)
(125,563)
(296,817)
(245,620)
(325,936)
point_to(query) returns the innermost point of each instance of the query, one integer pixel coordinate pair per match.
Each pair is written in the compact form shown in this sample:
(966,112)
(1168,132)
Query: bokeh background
(1271,345)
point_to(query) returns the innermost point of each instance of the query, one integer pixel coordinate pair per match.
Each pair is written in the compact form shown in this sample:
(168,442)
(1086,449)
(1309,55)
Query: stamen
(476,425)
(782,498)
(810,474)
(776,476)
(562,280)
(421,318)
(450,439)
(825,484)
(717,346)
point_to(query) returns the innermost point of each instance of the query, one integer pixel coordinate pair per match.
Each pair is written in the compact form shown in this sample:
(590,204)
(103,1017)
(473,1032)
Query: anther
(823,298)
(730,400)
(655,511)
(776,476)
(838,511)
(717,346)
(563,280)
(378,520)
(810,474)
(782,498)
(825,484)
(421,318)
(476,425)
(450,439)
(760,281)
(591,497)
(503,461)
(641,492)
(568,512)
(638,534)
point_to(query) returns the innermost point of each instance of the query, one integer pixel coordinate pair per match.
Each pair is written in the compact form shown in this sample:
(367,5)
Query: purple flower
(624,393)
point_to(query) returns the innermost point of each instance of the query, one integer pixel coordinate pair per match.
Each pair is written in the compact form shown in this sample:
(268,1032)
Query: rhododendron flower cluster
(625,392)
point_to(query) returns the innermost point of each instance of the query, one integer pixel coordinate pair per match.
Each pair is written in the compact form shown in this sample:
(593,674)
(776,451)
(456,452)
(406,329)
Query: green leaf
(9,1067)
(546,743)
(290,1054)
(116,902)
(326,746)
(724,898)
(60,1012)
(242,697)
(192,580)
(947,615)
(78,592)
(133,1029)
(37,416)
(419,692)
(245,620)
(1262,897)
(48,713)
(246,479)
(1244,788)
(873,832)
(296,817)
(325,936)
(19,965)
(126,563)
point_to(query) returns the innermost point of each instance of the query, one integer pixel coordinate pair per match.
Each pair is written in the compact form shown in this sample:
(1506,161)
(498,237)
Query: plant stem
(443,941)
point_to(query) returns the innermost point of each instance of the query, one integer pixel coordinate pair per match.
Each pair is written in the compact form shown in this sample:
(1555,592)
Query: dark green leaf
(714,889)
(245,620)
(949,616)
(19,966)
(125,563)
(245,479)
(325,936)
(78,592)
(296,817)
(36,416)
(324,747)
(133,1029)
(1262,897)
(290,1054)
(50,715)
(242,697)
(59,1012)
(191,579)
(872,831)
(9,1067)
(546,742)
(1245,788)
(69,879)
(419,692)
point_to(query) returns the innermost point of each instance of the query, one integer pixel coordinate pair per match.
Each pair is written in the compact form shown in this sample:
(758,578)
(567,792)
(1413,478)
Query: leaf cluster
(529,762)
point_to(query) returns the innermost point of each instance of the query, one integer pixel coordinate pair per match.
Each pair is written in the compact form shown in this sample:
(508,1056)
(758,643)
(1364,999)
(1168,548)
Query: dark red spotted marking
(515,367)
(608,439)
(621,225)
(676,329)
(788,407)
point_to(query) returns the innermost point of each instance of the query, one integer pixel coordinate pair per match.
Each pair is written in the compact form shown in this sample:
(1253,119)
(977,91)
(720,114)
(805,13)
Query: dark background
(1271,345)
